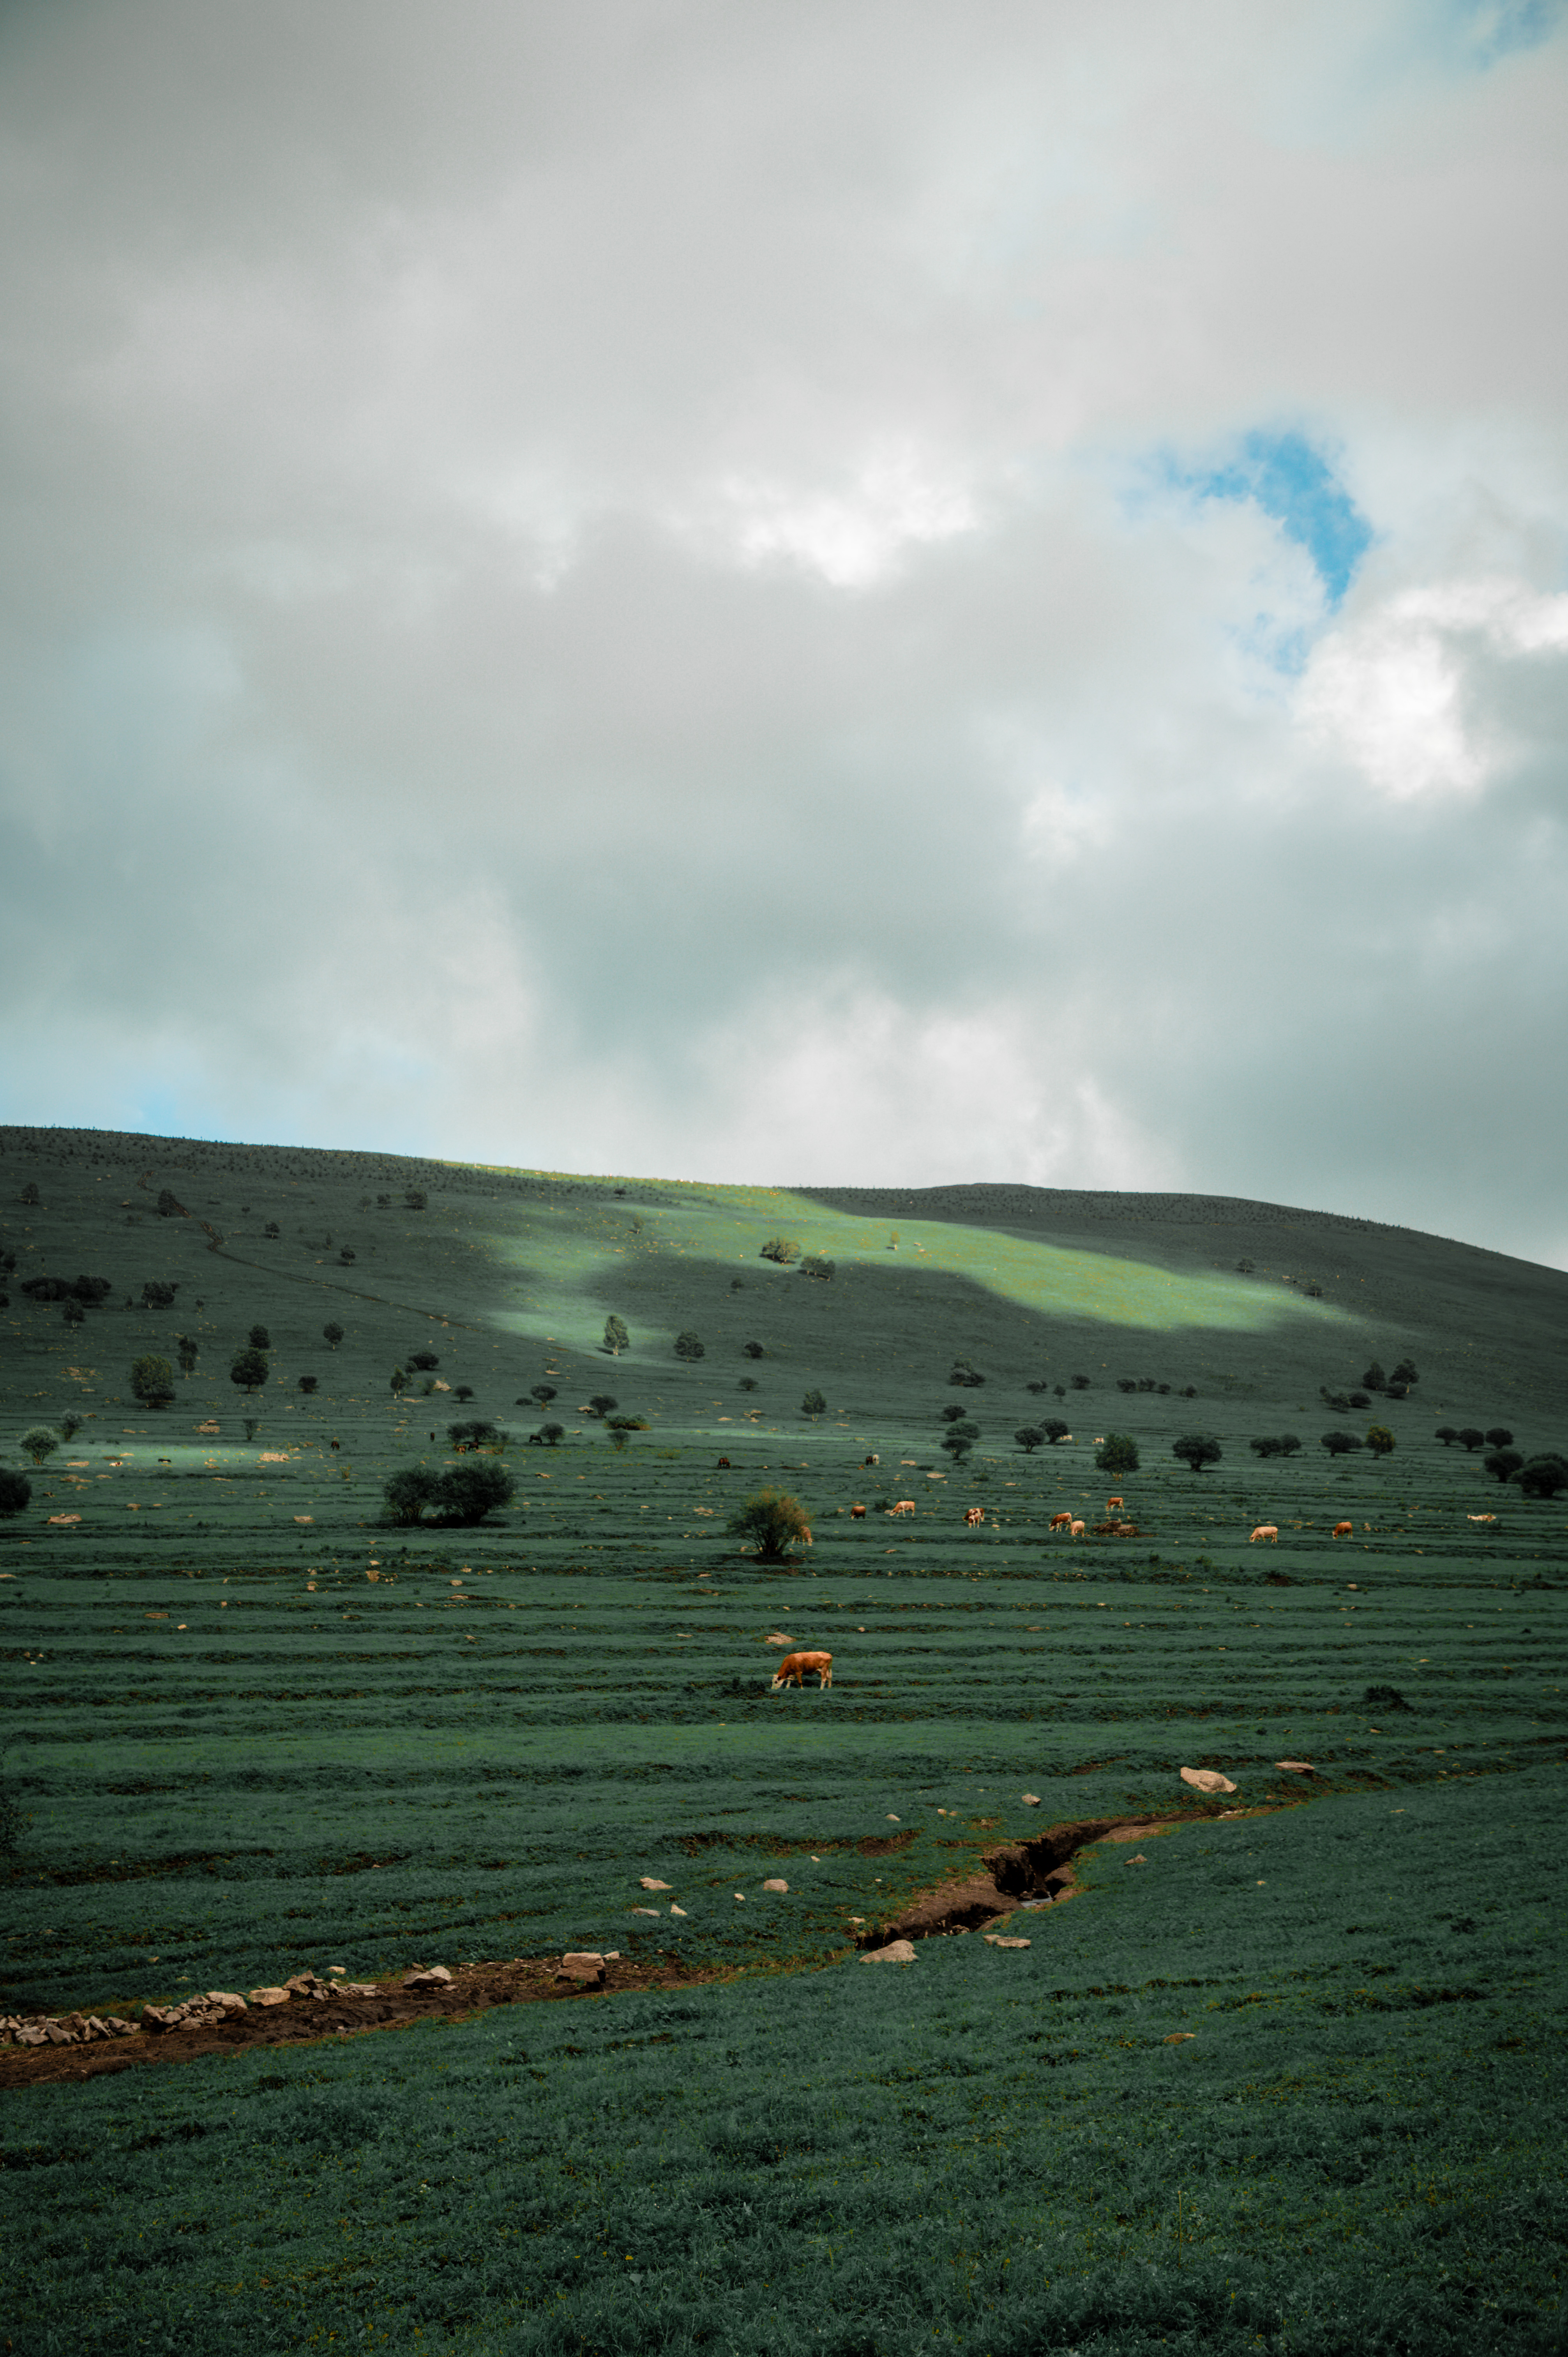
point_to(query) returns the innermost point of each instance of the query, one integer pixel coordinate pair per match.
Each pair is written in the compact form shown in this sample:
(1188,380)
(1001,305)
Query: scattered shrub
(273,1231)
(1470,1437)
(158,1296)
(549,1435)
(73,1313)
(468,1492)
(1543,1475)
(478,1432)
(746,1383)
(332,1334)
(753,1350)
(1117,1453)
(1500,1437)
(615,1337)
(1197,1449)
(1503,1463)
(1126,1383)
(259,1339)
(1080,1382)
(1405,1373)
(1386,1699)
(1281,1444)
(408,1493)
(15,1489)
(30,1196)
(1374,1379)
(782,1249)
(966,1372)
(1055,1430)
(464,1392)
(1029,1438)
(959,1439)
(1340,1444)
(249,1370)
(772,1521)
(601,1404)
(542,1392)
(1446,1435)
(346,1253)
(152,1380)
(815,1265)
(689,1346)
(398,1382)
(39,1442)
(308,1382)
(425,1362)
(1379,1440)
(187,1353)
(813,1406)
(415,1199)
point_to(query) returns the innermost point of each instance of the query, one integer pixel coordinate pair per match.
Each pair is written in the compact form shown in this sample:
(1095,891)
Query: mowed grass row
(1289,2082)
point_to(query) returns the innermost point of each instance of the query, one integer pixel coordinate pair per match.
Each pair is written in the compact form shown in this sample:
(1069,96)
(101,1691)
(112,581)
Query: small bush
(158,1296)
(1117,1453)
(549,1435)
(425,1362)
(1446,1435)
(813,1406)
(187,1353)
(1126,1383)
(468,1492)
(752,1350)
(815,1265)
(965,1371)
(152,1380)
(1470,1437)
(30,1195)
(15,1489)
(782,1249)
(414,1198)
(615,1337)
(73,1313)
(1503,1463)
(689,1346)
(39,1442)
(259,1339)
(408,1493)
(1055,1430)
(1499,1437)
(1374,1379)
(249,1370)
(1029,1437)
(959,1439)
(332,1334)
(1405,1373)
(479,1431)
(1197,1449)
(1543,1475)
(601,1404)
(772,1521)
(1080,1382)
(1386,1699)
(398,1382)
(746,1383)
(1379,1440)
(308,1382)
(463,1392)
(1340,1444)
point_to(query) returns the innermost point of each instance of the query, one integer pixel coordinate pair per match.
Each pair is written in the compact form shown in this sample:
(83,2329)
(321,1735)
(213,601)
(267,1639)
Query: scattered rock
(436,1977)
(896,1952)
(645,1911)
(677,1910)
(1207,1779)
(1030,1799)
(1181,2037)
(1000,1939)
(651,1882)
(774,1883)
(269,1997)
(585,1965)
(228,2000)
(1139,1860)
(1297,1767)
(777,1640)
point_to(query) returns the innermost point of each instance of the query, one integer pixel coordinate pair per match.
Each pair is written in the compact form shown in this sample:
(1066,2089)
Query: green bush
(332,1334)
(1029,1437)
(425,1362)
(1500,1437)
(1197,1449)
(39,1442)
(468,1492)
(1470,1437)
(15,1491)
(1543,1475)
(152,1380)
(1379,1440)
(1340,1444)
(615,1337)
(398,1382)
(752,1350)
(478,1432)
(415,1199)
(959,1439)
(308,1382)
(772,1521)
(689,1345)
(187,1353)
(259,1339)
(1503,1463)
(813,1404)
(408,1493)
(1055,1430)
(1117,1453)
(815,1265)
(965,1371)
(601,1404)
(782,1249)
(549,1435)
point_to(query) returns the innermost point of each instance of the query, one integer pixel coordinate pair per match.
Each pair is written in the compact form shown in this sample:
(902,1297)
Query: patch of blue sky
(1485,30)
(1291,481)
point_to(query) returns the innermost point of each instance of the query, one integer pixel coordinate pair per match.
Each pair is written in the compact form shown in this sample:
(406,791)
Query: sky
(843,592)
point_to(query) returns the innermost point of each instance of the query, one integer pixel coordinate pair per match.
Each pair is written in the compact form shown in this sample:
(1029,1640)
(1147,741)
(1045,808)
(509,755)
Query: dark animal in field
(791,1669)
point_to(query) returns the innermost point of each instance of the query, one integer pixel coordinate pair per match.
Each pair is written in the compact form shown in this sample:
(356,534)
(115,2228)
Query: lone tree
(73,1313)
(425,1362)
(398,1382)
(1374,1380)
(259,1339)
(965,1371)
(39,1442)
(1079,1383)
(1117,1453)
(1197,1449)
(479,1431)
(30,1195)
(752,1350)
(186,1348)
(616,1336)
(169,1206)
(408,1493)
(158,1296)
(689,1345)
(782,1249)
(249,1369)
(415,1198)
(543,1394)
(1340,1444)
(1447,1435)
(15,1491)
(1379,1440)
(332,1334)
(1405,1373)
(1029,1437)
(1543,1475)
(468,1492)
(308,1382)
(1504,1463)
(773,1522)
(152,1380)
(813,1406)
(601,1404)
(549,1435)
(1055,1430)
(959,1439)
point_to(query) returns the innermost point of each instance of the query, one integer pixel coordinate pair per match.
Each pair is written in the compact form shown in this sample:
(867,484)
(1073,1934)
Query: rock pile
(75,2030)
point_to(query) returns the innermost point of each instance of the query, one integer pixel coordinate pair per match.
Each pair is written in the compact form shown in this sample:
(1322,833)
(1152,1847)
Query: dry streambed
(1015,1876)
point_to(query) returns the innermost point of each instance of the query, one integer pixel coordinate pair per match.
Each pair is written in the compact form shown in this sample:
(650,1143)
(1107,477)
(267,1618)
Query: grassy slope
(320,1767)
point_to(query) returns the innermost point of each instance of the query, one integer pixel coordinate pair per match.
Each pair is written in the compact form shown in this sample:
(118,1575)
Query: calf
(791,1668)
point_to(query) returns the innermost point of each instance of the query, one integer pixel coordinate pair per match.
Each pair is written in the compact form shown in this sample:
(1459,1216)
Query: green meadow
(1289,2076)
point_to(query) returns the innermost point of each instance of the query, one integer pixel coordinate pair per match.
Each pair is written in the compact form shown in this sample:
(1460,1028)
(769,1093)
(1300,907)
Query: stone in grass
(896,1952)
(1207,1779)
(677,1910)
(1030,1799)
(645,1911)
(269,1997)
(651,1882)
(436,1977)
(776,1883)
(1297,1767)
(584,1966)
(1000,1939)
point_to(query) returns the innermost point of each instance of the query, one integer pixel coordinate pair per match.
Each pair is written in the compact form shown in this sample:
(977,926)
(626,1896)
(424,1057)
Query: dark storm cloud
(832,593)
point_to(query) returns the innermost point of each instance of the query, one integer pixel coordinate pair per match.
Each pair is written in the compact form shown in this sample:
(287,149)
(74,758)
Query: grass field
(253,1728)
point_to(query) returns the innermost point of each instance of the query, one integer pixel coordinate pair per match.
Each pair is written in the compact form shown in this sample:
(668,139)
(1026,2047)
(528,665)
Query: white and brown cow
(792,1668)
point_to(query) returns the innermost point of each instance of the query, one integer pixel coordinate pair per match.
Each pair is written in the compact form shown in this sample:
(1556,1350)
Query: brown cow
(974,1516)
(1343,1530)
(904,1506)
(1113,1505)
(791,1668)
(1060,1522)
(723,1465)
(857,1514)
(1270,1531)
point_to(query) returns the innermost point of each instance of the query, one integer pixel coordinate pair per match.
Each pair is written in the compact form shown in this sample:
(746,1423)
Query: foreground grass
(1355,2147)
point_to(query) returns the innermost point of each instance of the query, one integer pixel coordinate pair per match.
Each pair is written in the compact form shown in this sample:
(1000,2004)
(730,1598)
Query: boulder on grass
(896,1952)
(1207,1779)
(584,1966)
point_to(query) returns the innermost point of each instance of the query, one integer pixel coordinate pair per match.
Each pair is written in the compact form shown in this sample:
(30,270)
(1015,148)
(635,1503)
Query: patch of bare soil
(474,1988)
(1038,1872)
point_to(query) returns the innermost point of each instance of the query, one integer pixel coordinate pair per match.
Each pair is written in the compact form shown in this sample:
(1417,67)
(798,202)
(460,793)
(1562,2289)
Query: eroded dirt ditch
(1029,1874)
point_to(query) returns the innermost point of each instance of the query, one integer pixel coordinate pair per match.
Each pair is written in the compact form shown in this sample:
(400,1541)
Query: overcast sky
(843,591)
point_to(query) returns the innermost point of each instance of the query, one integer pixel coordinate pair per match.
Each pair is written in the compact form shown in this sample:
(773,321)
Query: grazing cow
(1113,1505)
(857,1514)
(1343,1530)
(874,1460)
(1269,1531)
(973,1517)
(1060,1522)
(1075,1531)
(791,1668)
(723,1465)
(904,1506)
(1480,1518)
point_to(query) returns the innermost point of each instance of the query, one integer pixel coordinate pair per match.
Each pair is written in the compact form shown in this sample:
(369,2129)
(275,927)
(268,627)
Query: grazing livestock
(1480,1518)
(1075,1531)
(791,1668)
(973,1517)
(1113,1505)
(1343,1530)
(1269,1531)
(1060,1522)
(904,1506)
(874,1460)
(857,1514)
(723,1465)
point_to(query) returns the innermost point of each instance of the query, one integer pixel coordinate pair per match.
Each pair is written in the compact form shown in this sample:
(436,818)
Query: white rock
(897,1951)
(774,1883)
(269,1997)
(1207,1779)
(677,1910)
(1030,1799)
(651,1882)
